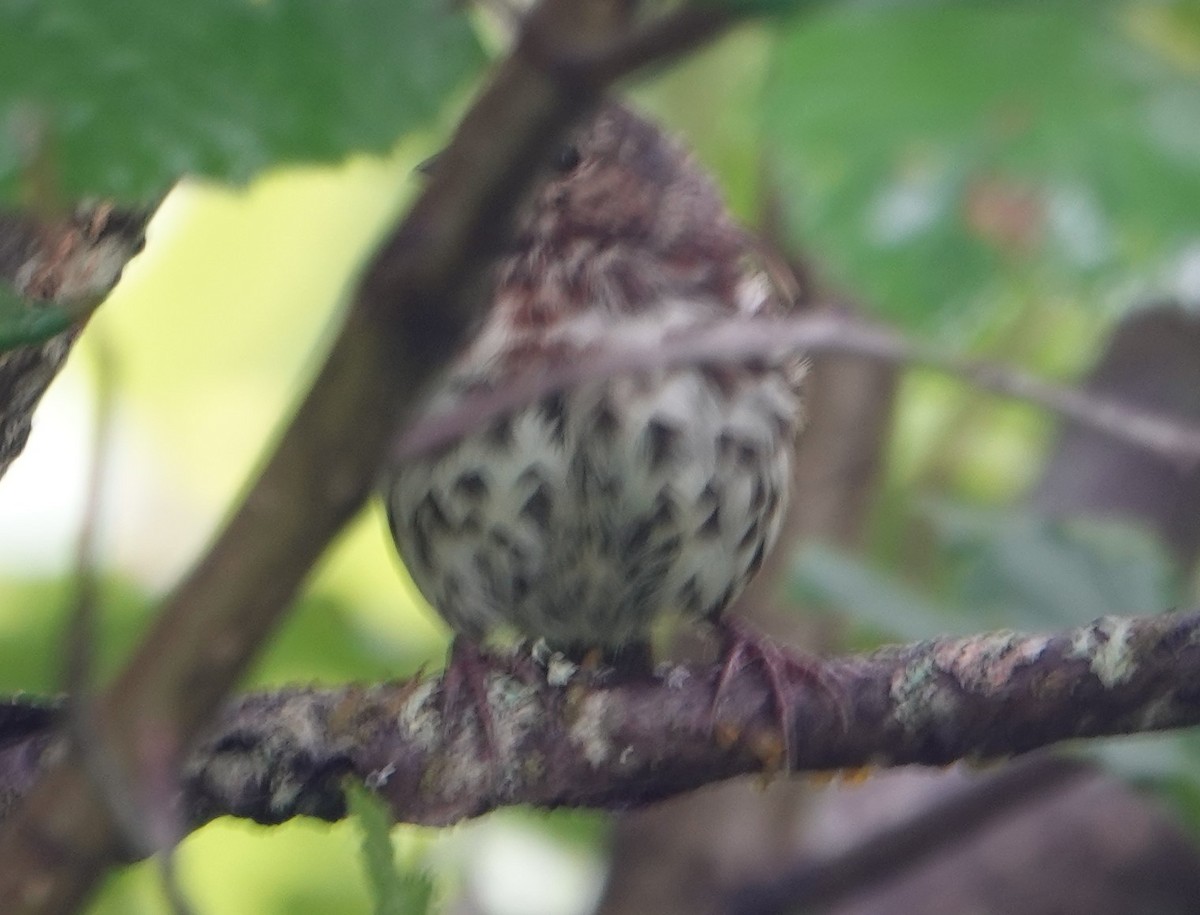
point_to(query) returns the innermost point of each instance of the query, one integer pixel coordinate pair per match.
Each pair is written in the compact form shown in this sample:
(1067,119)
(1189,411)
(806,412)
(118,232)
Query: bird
(588,517)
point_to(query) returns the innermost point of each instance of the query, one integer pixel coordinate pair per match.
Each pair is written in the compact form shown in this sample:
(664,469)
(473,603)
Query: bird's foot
(780,668)
(467,667)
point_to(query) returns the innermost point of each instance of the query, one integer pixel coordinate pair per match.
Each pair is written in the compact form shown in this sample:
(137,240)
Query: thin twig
(828,332)
(112,783)
(172,889)
(81,626)
(822,883)
(671,35)
(147,818)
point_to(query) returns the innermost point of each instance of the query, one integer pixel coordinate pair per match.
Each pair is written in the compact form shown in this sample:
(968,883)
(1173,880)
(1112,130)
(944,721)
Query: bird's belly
(586,517)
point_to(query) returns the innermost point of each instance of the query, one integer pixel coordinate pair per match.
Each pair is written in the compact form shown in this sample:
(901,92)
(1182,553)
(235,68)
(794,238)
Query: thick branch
(617,745)
(412,307)
(74,258)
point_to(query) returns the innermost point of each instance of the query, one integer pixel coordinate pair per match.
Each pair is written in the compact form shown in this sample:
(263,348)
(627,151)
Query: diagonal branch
(72,261)
(820,885)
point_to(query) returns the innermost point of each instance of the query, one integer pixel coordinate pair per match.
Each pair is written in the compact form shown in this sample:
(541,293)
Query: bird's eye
(566,158)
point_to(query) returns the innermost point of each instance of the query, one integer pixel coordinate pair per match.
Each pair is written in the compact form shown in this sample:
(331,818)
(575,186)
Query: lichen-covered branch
(75,258)
(621,744)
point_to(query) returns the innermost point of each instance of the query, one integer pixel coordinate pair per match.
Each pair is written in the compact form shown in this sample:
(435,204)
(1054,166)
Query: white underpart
(620,539)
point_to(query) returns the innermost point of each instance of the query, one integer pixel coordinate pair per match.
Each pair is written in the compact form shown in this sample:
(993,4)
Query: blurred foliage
(230,867)
(1009,568)
(1024,570)
(32,627)
(22,323)
(724,130)
(1003,175)
(1016,569)
(394,891)
(129,96)
(934,154)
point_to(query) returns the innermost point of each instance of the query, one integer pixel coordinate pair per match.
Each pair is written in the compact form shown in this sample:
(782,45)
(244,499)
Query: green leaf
(132,94)
(324,640)
(23,323)
(1010,569)
(1020,569)
(31,643)
(933,153)
(1166,764)
(395,892)
(869,595)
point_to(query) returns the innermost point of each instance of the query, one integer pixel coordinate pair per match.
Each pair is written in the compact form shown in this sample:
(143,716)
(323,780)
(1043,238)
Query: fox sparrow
(588,516)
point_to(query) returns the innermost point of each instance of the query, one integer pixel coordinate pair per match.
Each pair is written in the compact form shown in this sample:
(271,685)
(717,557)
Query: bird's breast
(584,517)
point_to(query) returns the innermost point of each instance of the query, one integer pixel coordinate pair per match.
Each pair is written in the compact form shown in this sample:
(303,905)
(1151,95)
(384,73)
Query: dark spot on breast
(603,538)
(604,421)
(715,608)
(645,596)
(501,537)
(471,485)
(689,596)
(531,476)
(638,537)
(664,510)
(710,496)
(720,378)
(574,592)
(421,543)
(666,552)
(743,452)
(553,410)
(520,587)
(712,524)
(500,433)
(430,514)
(484,566)
(756,560)
(576,283)
(580,471)
(538,506)
(758,496)
(772,502)
(785,425)
(660,442)
(748,537)
(491,576)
